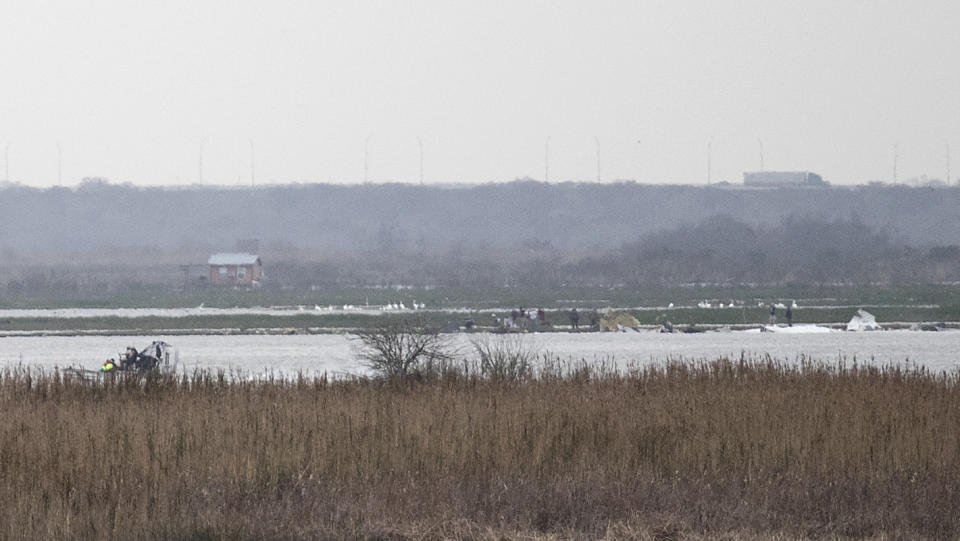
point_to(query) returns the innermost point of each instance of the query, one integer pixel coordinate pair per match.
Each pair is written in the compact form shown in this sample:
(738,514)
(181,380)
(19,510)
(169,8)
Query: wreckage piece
(618,321)
(863,321)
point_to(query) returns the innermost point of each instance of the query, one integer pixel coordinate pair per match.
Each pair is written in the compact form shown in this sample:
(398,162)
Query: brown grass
(720,450)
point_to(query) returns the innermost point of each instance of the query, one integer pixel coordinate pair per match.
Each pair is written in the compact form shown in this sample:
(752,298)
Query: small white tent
(863,321)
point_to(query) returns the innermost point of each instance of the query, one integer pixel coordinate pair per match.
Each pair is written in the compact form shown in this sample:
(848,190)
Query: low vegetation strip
(724,449)
(740,317)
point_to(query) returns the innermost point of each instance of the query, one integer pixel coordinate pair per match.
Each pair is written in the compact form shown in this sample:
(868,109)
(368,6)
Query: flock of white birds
(389,307)
(737,304)
(401,306)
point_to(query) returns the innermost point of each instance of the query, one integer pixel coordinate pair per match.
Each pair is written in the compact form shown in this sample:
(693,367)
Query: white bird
(317,307)
(402,307)
(670,305)
(793,304)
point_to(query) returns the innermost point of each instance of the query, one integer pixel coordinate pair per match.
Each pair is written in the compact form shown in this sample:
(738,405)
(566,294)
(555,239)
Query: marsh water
(335,354)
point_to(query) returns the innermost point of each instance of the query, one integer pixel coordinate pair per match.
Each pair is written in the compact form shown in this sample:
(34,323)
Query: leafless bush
(401,349)
(505,357)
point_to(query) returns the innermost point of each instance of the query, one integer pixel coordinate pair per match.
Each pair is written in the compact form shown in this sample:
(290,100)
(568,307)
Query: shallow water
(336,354)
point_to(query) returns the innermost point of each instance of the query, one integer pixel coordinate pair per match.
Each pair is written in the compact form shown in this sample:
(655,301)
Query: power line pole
(366,163)
(896,152)
(252,177)
(546,160)
(597,139)
(420,143)
(761,153)
(947,141)
(639,161)
(709,160)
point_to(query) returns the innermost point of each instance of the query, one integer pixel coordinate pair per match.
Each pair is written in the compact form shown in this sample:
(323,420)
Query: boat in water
(157,357)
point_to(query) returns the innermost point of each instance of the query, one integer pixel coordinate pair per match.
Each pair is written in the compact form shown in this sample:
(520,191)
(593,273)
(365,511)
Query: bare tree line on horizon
(719,250)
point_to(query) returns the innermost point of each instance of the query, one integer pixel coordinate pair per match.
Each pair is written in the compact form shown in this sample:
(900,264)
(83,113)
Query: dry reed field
(730,449)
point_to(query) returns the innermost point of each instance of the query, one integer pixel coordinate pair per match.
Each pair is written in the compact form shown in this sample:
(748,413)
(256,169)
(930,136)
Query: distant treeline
(102,237)
(719,250)
(725,250)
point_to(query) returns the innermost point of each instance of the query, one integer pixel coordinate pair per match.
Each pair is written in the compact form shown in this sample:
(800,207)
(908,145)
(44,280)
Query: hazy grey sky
(132,91)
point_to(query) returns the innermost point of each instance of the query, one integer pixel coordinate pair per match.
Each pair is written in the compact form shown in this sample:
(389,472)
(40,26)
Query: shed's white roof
(234,259)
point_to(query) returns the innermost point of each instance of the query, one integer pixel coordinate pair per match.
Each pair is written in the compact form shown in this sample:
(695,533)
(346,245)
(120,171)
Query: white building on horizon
(771,179)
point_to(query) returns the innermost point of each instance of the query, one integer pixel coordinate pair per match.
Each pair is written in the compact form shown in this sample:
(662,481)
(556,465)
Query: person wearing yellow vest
(108,366)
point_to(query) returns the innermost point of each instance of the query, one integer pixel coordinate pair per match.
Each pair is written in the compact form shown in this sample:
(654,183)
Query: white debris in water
(863,321)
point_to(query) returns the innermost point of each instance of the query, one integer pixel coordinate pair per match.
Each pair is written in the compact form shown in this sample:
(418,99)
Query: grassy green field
(445,307)
(729,449)
(487,298)
(316,322)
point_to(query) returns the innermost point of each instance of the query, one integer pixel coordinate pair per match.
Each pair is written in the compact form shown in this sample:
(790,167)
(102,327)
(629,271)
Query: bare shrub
(505,357)
(401,349)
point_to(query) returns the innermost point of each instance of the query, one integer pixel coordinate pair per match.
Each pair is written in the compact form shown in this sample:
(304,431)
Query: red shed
(239,269)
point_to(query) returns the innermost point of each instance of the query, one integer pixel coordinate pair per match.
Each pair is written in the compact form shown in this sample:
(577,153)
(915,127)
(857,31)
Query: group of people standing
(575,319)
(523,318)
(773,315)
(526,320)
(516,315)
